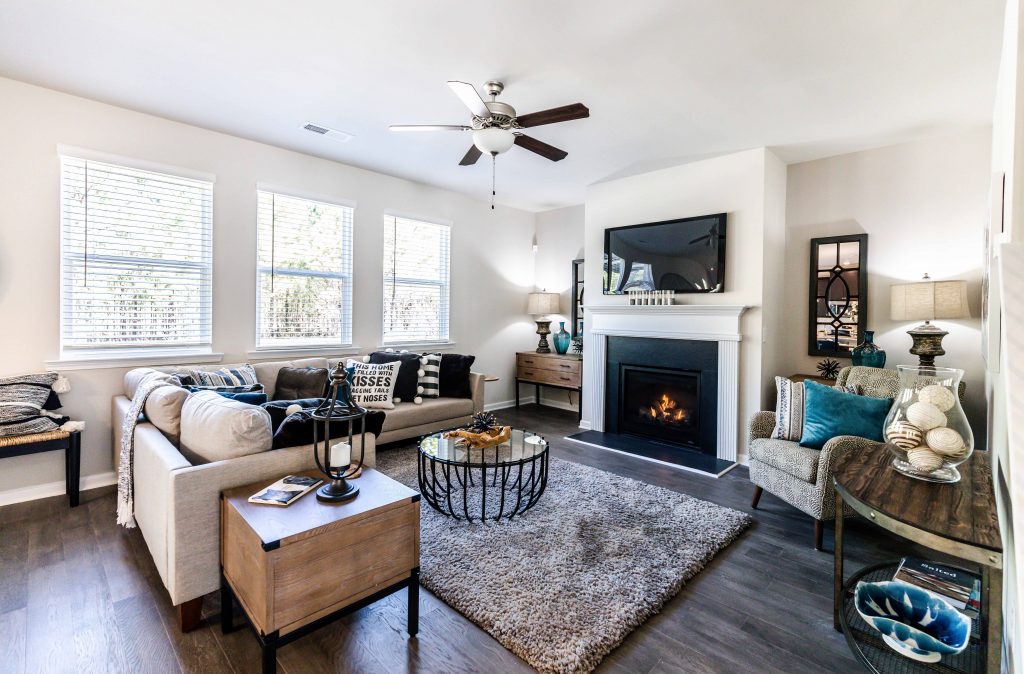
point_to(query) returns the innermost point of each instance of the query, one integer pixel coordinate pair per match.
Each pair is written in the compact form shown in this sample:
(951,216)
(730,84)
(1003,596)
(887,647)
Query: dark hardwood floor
(79,594)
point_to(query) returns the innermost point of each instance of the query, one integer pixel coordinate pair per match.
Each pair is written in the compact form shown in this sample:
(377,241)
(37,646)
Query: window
(305,272)
(135,258)
(415,281)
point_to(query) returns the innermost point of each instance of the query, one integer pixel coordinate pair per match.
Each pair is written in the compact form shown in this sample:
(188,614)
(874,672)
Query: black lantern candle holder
(338,408)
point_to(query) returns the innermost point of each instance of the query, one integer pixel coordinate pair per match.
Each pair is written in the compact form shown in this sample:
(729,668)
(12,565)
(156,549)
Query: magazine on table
(285,491)
(961,589)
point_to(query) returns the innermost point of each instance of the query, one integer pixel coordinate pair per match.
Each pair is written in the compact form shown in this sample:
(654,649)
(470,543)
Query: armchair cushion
(787,456)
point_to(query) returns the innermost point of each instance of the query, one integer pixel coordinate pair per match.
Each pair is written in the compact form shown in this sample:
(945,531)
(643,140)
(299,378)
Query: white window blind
(416,268)
(305,272)
(136,258)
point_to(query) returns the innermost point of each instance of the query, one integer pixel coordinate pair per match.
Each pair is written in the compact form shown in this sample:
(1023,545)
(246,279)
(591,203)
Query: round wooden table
(956,519)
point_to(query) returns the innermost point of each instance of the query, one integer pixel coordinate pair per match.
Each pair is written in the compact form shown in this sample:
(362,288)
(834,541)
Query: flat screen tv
(685,255)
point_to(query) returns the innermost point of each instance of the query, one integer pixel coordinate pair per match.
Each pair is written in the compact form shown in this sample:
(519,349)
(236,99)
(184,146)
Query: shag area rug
(564,583)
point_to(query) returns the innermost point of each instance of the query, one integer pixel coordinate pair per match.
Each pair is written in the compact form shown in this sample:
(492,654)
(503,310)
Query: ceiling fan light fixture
(493,140)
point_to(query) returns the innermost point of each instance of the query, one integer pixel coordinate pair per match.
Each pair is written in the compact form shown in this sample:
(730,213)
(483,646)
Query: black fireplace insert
(660,403)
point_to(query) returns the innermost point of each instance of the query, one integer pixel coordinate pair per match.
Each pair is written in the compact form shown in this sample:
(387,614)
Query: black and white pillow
(789,409)
(430,381)
(373,384)
(26,401)
(244,375)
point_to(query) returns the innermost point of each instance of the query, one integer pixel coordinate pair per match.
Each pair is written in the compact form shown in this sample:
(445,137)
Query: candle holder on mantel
(338,408)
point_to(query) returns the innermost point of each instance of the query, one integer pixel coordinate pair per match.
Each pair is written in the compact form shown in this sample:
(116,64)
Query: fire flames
(666,411)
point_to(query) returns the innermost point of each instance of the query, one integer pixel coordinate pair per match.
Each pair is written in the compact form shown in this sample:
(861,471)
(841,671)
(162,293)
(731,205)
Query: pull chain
(494,157)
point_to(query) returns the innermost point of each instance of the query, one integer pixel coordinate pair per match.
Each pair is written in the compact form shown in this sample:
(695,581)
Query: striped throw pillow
(244,375)
(430,381)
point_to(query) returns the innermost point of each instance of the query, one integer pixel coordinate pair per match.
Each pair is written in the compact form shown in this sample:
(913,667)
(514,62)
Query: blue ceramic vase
(867,353)
(562,338)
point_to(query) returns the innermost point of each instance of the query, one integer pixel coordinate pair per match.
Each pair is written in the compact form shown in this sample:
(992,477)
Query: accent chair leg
(757,497)
(190,614)
(819,531)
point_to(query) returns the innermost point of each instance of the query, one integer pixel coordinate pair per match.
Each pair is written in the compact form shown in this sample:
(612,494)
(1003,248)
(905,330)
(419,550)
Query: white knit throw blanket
(125,471)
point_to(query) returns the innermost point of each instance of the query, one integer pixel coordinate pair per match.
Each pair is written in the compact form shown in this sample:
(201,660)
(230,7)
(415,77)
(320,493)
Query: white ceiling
(665,82)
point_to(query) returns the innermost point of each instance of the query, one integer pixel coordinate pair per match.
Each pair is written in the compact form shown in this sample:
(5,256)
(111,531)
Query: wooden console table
(956,519)
(564,371)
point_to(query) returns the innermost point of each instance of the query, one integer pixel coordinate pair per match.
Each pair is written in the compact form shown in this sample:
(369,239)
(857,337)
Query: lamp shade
(541,304)
(929,300)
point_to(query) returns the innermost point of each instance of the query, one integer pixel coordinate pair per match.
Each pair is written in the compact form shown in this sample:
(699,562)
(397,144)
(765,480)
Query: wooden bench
(69,441)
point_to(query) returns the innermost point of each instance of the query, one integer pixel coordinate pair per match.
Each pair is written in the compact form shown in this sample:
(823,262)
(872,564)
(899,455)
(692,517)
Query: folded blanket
(126,467)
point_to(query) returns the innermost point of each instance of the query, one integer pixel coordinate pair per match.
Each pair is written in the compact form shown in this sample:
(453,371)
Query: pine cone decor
(828,368)
(483,421)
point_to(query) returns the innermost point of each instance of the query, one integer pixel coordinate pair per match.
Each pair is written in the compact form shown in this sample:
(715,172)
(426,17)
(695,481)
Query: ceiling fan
(496,126)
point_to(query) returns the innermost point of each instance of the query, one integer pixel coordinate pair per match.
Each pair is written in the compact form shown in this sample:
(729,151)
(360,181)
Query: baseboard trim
(528,400)
(48,489)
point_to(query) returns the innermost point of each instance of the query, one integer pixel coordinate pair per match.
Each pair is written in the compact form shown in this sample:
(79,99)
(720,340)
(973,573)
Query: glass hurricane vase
(926,429)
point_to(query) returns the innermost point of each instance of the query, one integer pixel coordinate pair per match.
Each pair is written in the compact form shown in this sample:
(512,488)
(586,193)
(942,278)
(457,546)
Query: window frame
(317,347)
(445,284)
(83,356)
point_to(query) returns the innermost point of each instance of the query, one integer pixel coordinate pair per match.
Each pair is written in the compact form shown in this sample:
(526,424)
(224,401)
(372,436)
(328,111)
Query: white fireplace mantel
(708,322)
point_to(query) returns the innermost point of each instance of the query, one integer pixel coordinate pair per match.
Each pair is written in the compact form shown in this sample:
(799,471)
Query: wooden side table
(564,371)
(957,519)
(69,441)
(295,569)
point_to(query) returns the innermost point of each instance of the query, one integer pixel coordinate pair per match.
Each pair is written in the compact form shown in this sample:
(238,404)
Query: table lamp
(542,305)
(928,300)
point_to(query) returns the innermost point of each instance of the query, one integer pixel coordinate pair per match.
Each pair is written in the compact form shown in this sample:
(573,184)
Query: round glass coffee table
(492,483)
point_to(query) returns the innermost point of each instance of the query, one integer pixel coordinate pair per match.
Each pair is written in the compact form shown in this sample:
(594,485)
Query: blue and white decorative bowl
(914,622)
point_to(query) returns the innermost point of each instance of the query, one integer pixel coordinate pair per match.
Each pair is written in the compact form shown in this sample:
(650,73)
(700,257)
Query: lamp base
(336,491)
(927,343)
(543,329)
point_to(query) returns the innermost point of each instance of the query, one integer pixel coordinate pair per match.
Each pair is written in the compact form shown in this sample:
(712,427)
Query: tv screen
(686,255)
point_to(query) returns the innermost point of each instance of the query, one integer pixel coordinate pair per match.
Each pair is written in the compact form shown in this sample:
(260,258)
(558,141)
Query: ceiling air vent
(321,130)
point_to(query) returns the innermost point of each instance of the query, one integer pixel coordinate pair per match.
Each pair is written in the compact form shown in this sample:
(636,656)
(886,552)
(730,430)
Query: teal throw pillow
(829,412)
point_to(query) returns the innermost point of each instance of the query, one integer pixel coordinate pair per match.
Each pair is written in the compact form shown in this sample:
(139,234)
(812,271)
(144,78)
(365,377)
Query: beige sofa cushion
(163,410)
(132,379)
(214,428)
(406,415)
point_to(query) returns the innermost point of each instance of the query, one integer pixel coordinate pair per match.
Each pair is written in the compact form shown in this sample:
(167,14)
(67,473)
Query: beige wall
(492,259)
(735,184)
(923,206)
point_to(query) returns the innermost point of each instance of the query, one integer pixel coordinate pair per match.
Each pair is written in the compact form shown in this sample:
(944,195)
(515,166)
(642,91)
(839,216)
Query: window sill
(398,346)
(304,351)
(101,361)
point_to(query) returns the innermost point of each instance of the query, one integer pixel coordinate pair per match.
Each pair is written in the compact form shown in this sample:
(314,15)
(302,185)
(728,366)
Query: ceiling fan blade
(562,114)
(471,156)
(470,97)
(430,127)
(541,148)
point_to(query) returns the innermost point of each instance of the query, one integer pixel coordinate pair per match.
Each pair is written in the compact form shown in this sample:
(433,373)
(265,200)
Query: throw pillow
(407,384)
(22,404)
(296,383)
(789,409)
(277,409)
(830,413)
(429,381)
(235,376)
(373,385)
(453,376)
(248,388)
(297,429)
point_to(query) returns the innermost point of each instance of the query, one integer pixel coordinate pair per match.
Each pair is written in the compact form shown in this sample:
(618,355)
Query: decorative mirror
(838,294)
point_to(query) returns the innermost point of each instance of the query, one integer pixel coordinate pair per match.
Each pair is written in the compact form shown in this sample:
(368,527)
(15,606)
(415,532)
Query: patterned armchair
(802,476)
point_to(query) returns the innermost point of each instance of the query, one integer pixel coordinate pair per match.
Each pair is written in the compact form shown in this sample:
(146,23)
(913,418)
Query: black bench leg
(73,466)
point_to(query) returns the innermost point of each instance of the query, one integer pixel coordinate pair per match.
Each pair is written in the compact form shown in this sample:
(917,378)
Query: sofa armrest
(761,426)
(193,536)
(476,385)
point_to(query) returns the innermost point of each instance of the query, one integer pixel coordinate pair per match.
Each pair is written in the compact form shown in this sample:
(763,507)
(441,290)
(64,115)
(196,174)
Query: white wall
(559,242)
(735,184)
(492,261)
(923,206)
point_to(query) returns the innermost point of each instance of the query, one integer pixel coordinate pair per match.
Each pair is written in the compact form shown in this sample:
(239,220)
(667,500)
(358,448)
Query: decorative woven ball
(946,441)
(937,395)
(904,434)
(925,416)
(924,459)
